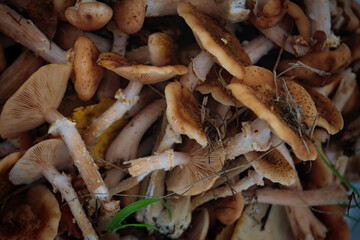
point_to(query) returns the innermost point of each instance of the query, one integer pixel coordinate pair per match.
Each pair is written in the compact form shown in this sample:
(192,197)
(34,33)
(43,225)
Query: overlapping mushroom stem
(35,103)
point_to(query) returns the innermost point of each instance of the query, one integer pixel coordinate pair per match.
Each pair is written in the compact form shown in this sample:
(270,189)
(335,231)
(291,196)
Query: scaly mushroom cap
(88,73)
(330,61)
(212,37)
(5,166)
(258,92)
(138,72)
(89,16)
(129,15)
(37,219)
(269,13)
(329,116)
(46,154)
(183,112)
(204,162)
(43,91)
(273,166)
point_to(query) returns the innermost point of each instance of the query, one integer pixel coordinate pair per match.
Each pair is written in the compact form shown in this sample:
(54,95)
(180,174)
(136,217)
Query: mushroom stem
(258,47)
(156,8)
(124,185)
(17,73)
(62,183)
(125,100)
(199,67)
(345,89)
(319,14)
(126,144)
(334,194)
(25,32)
(222,192)
(83,161)
(143,166)
(256,136)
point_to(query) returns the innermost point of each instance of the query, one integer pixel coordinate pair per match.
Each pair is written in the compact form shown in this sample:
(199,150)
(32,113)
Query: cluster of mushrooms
(221,108)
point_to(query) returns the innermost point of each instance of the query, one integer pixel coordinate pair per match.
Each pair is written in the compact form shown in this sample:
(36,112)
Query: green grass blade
(136,225)
(337,173)
(167,208)
(128,210)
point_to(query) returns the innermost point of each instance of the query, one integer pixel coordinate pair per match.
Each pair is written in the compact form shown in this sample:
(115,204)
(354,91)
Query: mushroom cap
(183,113)
(44,155)
(257,91)
(5,166)
(89,16)
(88,73)
(138,72)
(273,166)
(334,61)
(161,49)
(38,218)
(212,37)
(26,109)
(129,15)
(200,225)
(329,116)
(269,14)
(204,163)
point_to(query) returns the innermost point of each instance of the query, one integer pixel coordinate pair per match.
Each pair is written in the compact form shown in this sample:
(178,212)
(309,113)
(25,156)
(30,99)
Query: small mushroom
(199,225)
(89,15)
(301,20)
(129,15)
(43,159)
(229,209)
(88,73)
(36,217)
(5,166)
(269,13)
(161,49)
(36,102)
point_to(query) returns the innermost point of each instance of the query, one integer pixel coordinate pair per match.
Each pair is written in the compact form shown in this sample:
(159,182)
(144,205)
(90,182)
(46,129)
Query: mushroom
(89,15)
(183,113)
(25,32)
(60,7)
(5,166)
(199,226)
(87,73)
(43,159)
(17,73)
(211,36)
(259,92)
(258,47)
(36,217)
(36,102)
(269,13)
(229,209)
(345,89)
(129,15)
(301,20)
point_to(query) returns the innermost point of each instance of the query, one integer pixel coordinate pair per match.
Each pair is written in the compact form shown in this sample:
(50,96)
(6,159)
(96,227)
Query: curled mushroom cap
(37,217)
(291,117)
(269,13)
(183,113)
(138,72)
(212,37)
(334,61)
(27,107)
(87,72)
(129,15)
(89,15)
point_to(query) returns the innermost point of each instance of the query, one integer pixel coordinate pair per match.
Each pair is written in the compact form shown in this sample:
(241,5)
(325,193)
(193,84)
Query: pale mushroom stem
(124,185)
(63,184)
(156,8)
(258,47)
(126,100)
(25,32)
(102,44)
(199,67)
(319,14)
(255,136)
(345,89)
(82,159)
(277,35)
(221,192)
(17,73)
(167,160)
(125,145)
(334,194)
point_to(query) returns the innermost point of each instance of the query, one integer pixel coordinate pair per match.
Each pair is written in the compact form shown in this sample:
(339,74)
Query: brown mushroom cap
(269,14)
(129,15)
(89,16)
(37,219)
(5,166)
(204,163)
(200,225)
(138,72)
(44,155)
(26,109)
(88,73)
(258,92)
(329,116)
(212,37)
(183,113)
(161,49)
